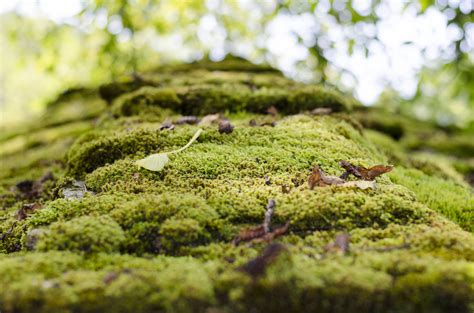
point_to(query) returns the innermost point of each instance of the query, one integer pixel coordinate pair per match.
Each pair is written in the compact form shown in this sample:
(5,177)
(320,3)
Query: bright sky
(393,61)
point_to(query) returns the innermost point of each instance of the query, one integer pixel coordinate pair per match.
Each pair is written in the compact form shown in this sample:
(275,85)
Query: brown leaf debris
(362,172)
(257,267)
(254,123)
(319,179)
(285,188)
(264,232)
(167,124)
(33,188)
(27,209)
(248,234)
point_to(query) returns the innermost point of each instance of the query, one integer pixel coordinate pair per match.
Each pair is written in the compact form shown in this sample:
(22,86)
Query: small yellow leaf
(154,162)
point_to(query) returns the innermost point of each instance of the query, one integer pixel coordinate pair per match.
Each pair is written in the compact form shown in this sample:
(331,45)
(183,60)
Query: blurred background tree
(413,57)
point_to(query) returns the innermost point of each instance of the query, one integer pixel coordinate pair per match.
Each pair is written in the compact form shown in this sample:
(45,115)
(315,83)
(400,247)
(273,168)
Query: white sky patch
(283,43)
(57,10)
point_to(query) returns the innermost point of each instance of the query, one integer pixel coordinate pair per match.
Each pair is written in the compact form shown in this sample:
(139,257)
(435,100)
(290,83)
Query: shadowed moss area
(143,241)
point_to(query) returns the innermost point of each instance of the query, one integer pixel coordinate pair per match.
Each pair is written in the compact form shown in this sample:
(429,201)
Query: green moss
(429,163)
(148,241)
(455,144)
(195,73)
(392,280)
(296,143)
(138,101)
(333,208)
(454,201)
(206,99)
(417,135)
(229,63)
(84,234)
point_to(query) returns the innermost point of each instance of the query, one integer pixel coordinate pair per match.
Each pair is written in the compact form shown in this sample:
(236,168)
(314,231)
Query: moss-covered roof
(84,229)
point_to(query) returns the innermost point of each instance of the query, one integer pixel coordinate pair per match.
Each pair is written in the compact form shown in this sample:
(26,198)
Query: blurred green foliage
(109,38)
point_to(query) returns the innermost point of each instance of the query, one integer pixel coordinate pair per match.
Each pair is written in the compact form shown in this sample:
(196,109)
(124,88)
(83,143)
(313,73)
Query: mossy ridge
(297,283)
(418,135)
(152,223)
(280,149)
(206,99)
(237,90)
(240,70)
(453,201)
(78,105)
(174,82)
(42,137)
(229,63)
(137,211)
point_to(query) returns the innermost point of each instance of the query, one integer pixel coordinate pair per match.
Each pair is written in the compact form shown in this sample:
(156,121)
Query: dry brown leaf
(275,233)
(256,267)
(248,234)
(319,179)
(262,233)
(27,209)
(378,170)
(362,172)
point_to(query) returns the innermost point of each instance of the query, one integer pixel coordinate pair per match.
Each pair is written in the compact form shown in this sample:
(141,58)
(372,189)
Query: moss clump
(83,234)
(333,208)
(229,63)
(150,223)
(280,149)
(207,99)
(455,144)
(454,201)
(198,72)
(147,241)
